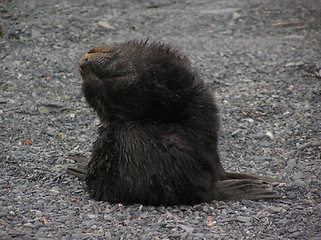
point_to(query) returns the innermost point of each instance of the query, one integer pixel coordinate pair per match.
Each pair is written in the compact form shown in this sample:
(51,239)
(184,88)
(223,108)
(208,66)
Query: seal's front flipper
(79,170)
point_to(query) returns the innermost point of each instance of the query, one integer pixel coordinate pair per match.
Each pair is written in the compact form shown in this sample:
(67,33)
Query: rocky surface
(263,61)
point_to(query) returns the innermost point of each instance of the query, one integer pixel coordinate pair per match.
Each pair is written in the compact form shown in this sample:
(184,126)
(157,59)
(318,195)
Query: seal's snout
(83,63)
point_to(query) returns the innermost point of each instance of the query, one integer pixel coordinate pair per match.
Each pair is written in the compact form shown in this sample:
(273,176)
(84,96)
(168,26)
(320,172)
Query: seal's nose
(83,63)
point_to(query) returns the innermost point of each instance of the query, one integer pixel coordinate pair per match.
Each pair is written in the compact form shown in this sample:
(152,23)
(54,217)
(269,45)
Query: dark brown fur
(158,139)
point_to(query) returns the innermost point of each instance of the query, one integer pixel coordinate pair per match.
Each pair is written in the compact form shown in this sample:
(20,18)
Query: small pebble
(106,25)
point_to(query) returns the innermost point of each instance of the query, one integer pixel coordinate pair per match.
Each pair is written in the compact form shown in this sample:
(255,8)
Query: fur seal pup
(158,139)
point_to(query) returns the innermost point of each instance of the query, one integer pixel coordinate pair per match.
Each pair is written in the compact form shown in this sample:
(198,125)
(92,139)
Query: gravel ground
(262,59)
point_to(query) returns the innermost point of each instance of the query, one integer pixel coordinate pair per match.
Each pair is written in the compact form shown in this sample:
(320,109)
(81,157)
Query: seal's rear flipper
(253,177)
(238,189)
(79,170)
